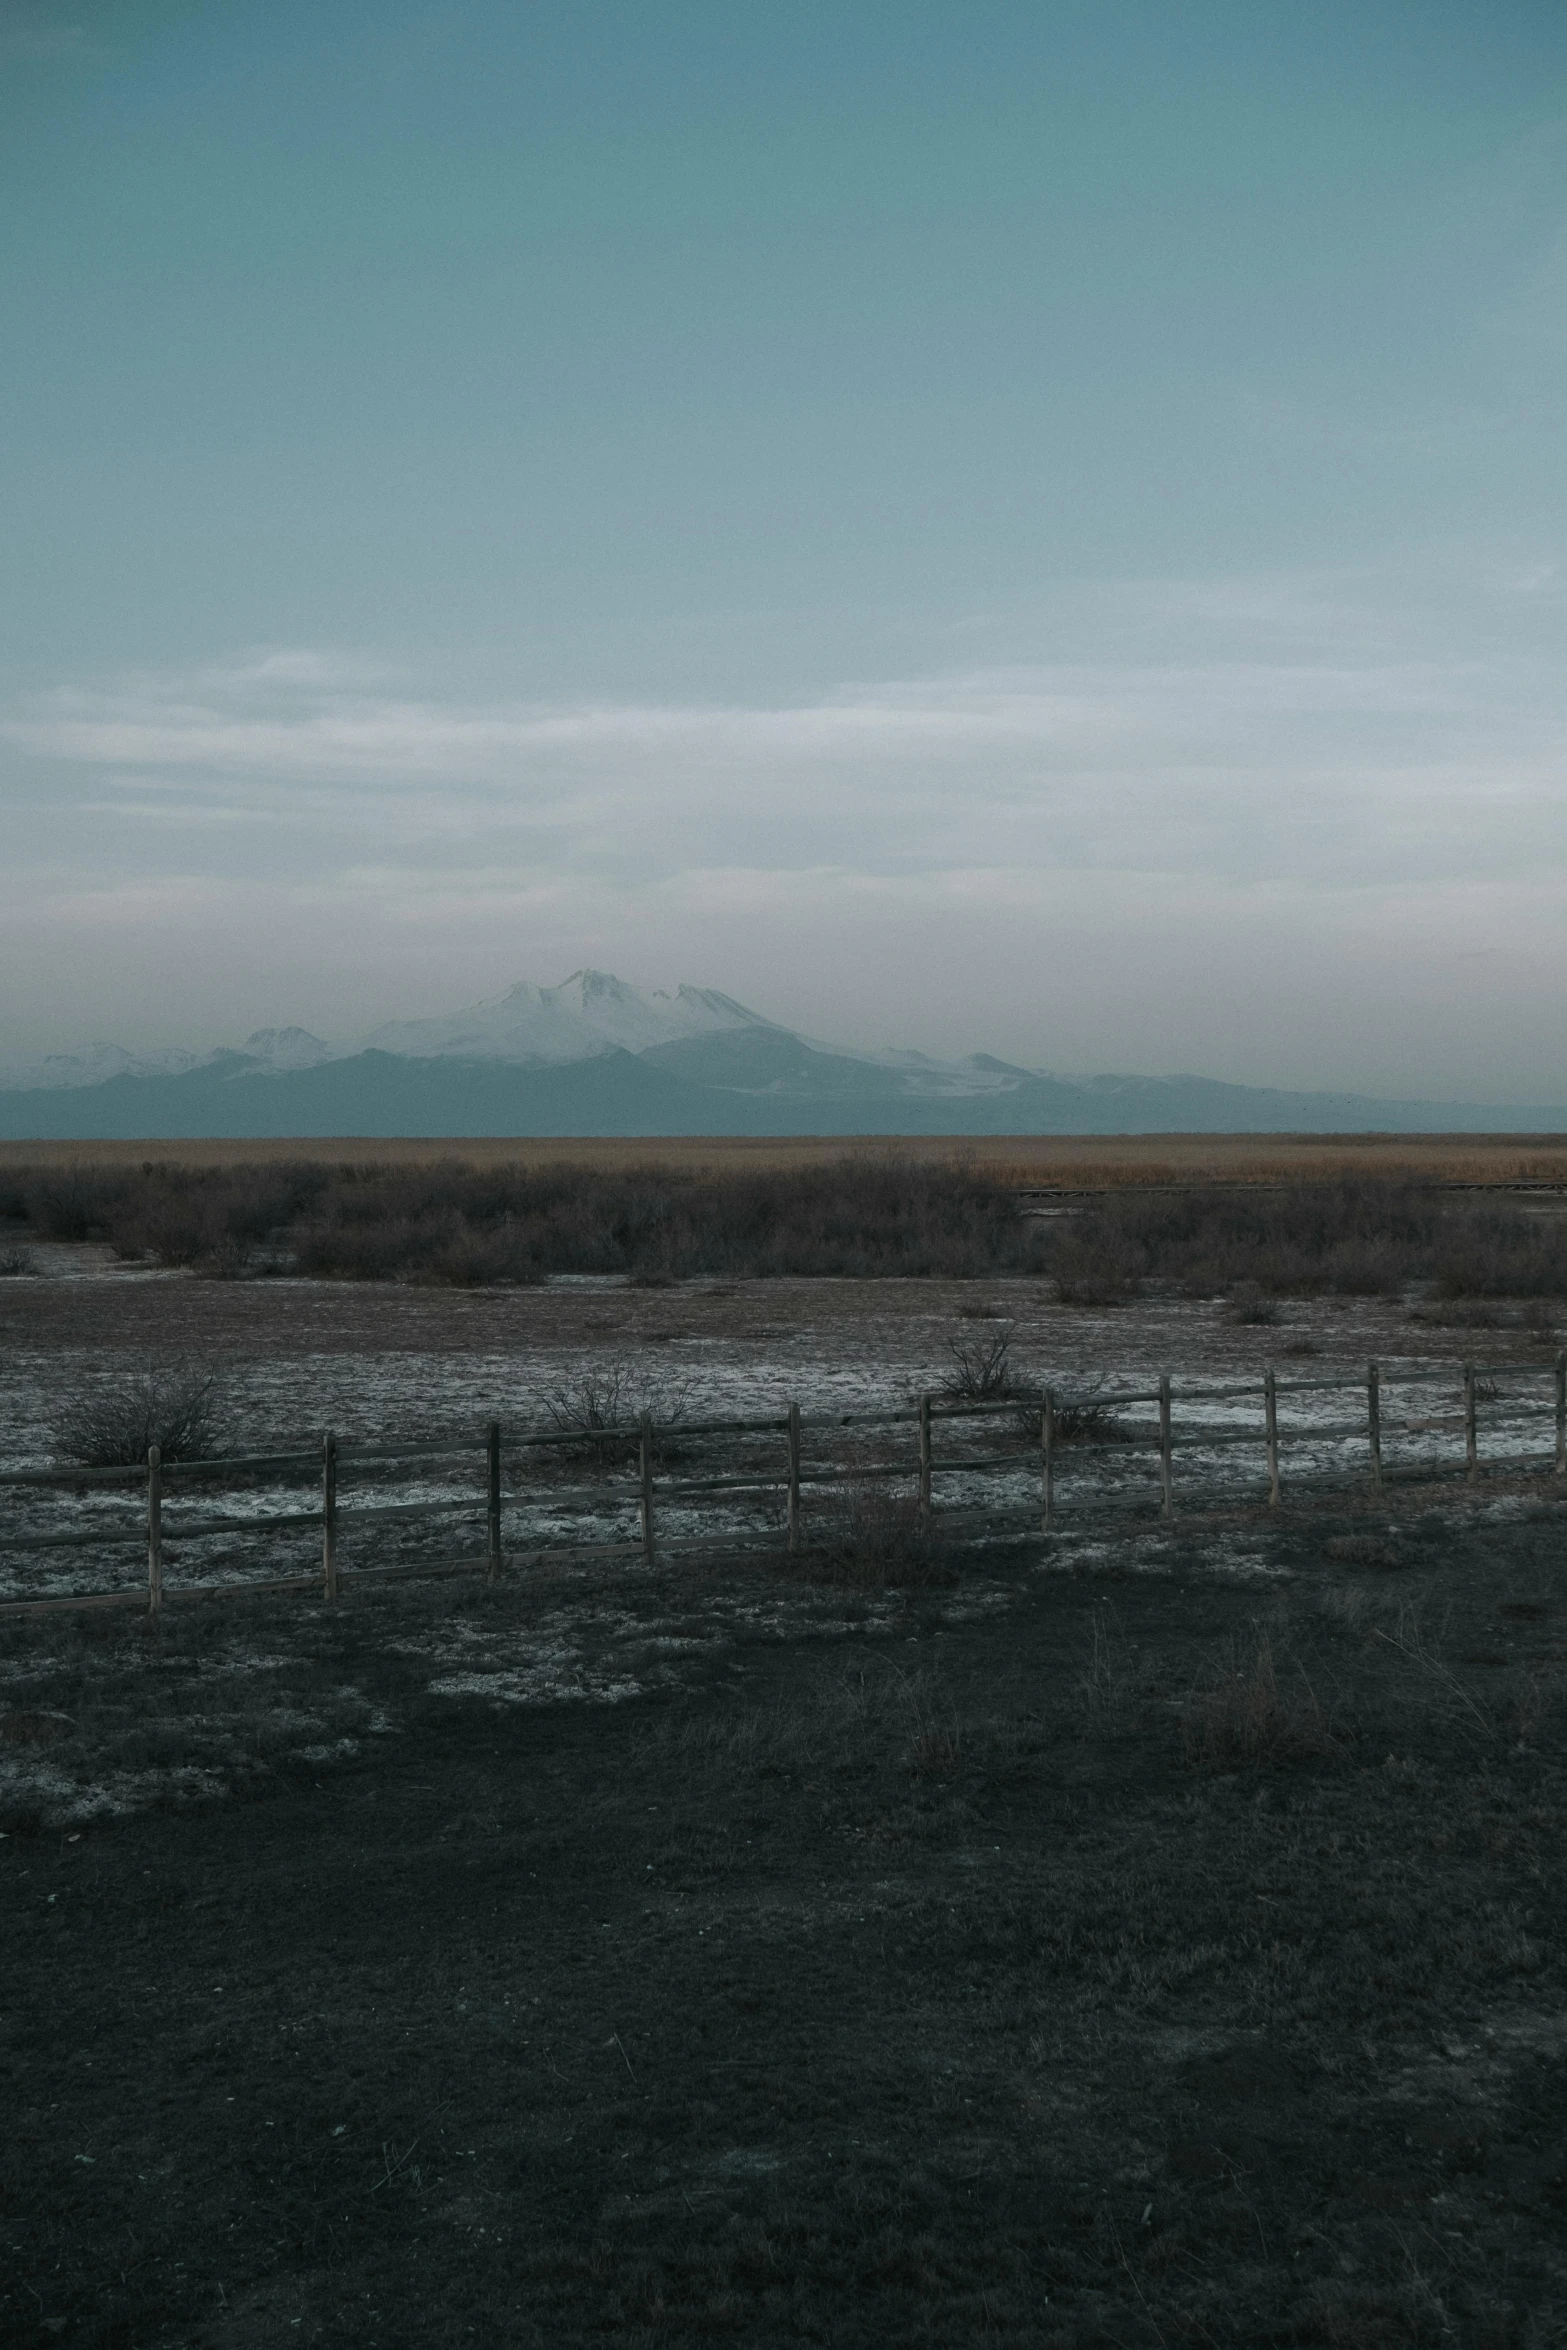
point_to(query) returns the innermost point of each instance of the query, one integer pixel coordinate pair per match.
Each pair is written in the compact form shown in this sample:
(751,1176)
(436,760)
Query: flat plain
(1068,1162)
(1150,1934)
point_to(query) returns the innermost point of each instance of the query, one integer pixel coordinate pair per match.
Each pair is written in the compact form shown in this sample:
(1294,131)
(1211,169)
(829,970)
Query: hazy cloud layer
(1262,804)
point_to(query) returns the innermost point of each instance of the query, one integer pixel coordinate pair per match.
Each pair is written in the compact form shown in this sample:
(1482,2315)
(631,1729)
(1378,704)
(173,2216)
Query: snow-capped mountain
(95,1064)
(532,1027)
(91,1065)
(529,1027)
(591,1012)
(287,1048)
(595,1056)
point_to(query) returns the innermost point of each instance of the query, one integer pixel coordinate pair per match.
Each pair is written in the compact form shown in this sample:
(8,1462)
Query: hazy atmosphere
(1024,528)
(783,1174)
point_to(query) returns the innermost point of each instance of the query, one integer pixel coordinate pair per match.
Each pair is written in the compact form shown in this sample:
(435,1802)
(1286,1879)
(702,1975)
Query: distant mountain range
(595,1056)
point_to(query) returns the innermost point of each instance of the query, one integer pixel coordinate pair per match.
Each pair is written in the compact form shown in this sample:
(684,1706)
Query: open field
(382,1362)
(1069,1162)
(1116,1951)
(1151,1935)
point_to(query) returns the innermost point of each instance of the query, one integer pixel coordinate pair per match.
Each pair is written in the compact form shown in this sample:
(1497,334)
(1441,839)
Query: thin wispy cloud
(1257,793)
(1259,769)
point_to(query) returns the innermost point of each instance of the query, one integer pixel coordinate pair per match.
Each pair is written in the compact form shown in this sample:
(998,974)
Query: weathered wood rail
(1057,1438)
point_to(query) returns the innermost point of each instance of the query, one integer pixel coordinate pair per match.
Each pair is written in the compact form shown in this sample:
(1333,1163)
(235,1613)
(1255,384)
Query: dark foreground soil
(1069,1958)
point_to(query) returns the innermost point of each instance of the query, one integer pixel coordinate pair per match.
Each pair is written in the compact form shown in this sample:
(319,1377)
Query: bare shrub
(1097,1260)
(598,1413)
(1085,1415)
(983,1372)
(14,1261)
(858,1218)
(1354,1236)
(981,1369)
(455,1223)
(73,1203)
(114,1422)
(1244,1719)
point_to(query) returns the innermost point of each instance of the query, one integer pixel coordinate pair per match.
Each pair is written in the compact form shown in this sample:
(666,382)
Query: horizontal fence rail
(1149,1451)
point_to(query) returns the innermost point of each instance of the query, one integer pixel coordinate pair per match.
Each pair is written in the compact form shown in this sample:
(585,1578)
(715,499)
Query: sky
(1028,528)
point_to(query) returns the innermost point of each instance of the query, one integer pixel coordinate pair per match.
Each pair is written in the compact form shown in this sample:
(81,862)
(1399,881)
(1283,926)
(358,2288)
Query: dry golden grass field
(1078,1162)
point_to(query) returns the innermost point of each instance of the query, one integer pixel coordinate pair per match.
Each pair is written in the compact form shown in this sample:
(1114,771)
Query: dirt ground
(390,1363)
(379,1357)
(1144,1937)
(1132,1954)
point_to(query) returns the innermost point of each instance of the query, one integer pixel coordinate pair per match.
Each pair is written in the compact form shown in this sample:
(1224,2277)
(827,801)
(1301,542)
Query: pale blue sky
(1036,528)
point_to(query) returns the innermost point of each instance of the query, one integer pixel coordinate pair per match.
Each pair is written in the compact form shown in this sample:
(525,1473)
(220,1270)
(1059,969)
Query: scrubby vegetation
(465,1225)
(1354,1236)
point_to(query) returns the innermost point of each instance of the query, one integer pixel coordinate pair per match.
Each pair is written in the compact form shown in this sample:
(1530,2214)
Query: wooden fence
(1061,1443)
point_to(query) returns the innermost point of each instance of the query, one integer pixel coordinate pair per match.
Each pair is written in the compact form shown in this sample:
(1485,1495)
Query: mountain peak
(589,1013)
(286,1048)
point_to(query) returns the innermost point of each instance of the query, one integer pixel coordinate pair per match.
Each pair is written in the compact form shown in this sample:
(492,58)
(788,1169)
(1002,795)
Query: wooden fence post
(1166,1448)
(154,1529)
(1471,1432)
(645,1457)
(924,1432)
(492,1480)
(794,1476)
(1047,1457)
(1561,1415)
(1270,1414)
(1374,1420)
(329,1514)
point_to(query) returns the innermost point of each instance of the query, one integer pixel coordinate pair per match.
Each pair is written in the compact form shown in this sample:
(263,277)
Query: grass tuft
(1243,1720)
(882,1542)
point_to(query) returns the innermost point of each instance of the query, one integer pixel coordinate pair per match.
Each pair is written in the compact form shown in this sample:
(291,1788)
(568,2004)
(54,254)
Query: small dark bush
(1085,1416)
(14,1261)
(981,1370)
(598,1412)
(74,1203)
(116,1421)
(1096,1262)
